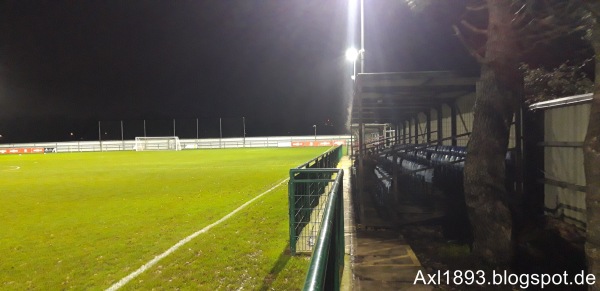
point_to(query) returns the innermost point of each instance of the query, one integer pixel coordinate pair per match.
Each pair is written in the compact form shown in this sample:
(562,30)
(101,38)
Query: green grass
(85,220)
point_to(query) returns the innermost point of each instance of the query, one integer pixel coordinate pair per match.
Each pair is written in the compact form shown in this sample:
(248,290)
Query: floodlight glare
(351,54)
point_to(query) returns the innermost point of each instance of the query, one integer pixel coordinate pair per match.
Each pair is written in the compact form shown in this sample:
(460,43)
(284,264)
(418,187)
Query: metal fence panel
(317,218)
(327,261)
(308,189)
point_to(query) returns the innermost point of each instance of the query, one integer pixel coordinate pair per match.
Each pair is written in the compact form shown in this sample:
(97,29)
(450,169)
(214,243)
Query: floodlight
(351,54)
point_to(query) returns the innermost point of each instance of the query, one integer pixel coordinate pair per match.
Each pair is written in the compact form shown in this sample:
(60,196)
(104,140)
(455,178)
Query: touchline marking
(156,259)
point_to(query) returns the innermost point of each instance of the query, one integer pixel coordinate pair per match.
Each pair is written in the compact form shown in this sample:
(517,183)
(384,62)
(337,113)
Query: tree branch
(546,14)
(520,16)
(593,7)
(520,11)
(553,21)
(481,7)
(549,28)
(531,40)
(472,28)
(470,49)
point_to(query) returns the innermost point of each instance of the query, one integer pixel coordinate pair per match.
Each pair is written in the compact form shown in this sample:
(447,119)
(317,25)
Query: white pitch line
(172,249)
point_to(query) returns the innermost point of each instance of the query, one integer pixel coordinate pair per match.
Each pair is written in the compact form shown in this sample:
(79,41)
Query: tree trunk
(591,154)
(498,96)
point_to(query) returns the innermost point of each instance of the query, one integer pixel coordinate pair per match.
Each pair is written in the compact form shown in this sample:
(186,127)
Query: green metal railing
(317,218)
(327,263)
(329,159)
(309,194)
(307,189)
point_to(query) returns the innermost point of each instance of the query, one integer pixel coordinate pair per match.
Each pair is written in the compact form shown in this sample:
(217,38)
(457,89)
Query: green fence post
(292,202)
(341,239)
(326,265)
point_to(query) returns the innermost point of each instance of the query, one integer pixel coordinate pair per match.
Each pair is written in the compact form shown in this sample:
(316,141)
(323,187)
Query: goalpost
(157,143)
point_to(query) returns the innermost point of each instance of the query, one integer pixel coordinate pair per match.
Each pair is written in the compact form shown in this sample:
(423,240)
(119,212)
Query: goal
(157,143)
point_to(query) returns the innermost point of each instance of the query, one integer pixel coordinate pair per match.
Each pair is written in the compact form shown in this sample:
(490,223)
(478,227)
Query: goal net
(157,143)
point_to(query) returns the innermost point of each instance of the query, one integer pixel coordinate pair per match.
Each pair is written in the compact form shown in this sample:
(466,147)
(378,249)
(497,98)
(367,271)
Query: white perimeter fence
(213,143)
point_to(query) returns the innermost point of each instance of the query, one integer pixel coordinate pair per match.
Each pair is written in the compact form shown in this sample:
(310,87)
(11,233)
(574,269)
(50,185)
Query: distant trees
(543,84)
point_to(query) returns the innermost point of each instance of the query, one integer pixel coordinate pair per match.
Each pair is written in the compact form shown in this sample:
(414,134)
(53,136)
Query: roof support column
(396,134)
(395,178)
(440,124)
(361,149)
(519,151)
(417,129)
(409,131)
(453,122)
(428,125)
(405,135)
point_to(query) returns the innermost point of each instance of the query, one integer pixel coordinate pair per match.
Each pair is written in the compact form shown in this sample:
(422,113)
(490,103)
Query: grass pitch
(86,220)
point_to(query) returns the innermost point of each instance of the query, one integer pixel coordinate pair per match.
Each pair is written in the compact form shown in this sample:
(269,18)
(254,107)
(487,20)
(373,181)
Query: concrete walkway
(376,259)
(349,227)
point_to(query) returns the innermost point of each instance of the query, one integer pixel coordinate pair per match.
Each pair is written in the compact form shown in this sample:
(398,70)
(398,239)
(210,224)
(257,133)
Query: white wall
(566,124)
(214,143)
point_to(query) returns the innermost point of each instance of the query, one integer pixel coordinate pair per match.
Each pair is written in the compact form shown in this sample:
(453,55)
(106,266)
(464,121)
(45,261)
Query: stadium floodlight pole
(315,126)
(174,127)
(244,125)
(220,132)
(361,128)
(361,55)
(122,137)
(144,127)
(352,55)
(100,134)
(362,36)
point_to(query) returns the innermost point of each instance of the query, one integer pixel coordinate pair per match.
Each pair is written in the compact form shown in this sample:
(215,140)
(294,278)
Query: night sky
(65,65)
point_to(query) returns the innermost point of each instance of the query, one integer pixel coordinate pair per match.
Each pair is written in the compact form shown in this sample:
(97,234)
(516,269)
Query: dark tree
(500,34)
(591,152)
(498,95)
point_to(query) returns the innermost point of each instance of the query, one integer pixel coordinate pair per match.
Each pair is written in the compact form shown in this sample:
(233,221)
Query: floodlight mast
(362,35)
(352,55)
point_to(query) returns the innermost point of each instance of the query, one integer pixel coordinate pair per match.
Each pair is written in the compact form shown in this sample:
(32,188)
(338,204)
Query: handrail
(305,189)
(316,278)
(315,198)
(335,150)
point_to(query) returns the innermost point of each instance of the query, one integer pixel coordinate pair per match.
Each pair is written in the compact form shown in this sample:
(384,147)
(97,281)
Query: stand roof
(394,97)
